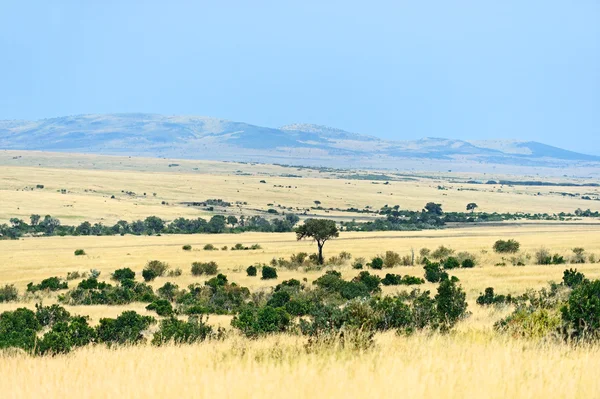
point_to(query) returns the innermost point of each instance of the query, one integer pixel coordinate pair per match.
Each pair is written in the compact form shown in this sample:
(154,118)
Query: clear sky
(479,69)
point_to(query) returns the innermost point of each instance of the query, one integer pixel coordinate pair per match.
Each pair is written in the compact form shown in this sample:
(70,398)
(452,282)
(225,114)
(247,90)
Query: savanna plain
(471,358)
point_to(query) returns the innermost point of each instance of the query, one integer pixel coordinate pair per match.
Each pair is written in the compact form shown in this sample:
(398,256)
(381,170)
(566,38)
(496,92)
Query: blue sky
(396,69)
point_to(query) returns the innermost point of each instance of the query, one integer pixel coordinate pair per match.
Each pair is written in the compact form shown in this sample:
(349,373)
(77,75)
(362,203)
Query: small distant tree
(232,220)
(34,219)
(320,230)
(433,208)
(472,206)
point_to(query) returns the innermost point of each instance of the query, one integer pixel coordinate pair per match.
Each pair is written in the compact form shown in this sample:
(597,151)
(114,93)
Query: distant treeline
(392,219)
(433,217)
(538,183)
(152,225)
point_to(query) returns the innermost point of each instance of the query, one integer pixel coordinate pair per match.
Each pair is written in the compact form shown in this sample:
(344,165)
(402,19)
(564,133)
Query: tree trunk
(320,245)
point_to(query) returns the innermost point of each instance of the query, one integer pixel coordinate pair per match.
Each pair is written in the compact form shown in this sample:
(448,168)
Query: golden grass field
(473,361)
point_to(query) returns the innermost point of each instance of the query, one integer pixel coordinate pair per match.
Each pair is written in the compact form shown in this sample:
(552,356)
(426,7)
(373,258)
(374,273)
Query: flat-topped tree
(319,230)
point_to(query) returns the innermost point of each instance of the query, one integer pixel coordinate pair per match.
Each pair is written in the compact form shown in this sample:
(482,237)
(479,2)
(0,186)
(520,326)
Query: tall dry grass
(470,364)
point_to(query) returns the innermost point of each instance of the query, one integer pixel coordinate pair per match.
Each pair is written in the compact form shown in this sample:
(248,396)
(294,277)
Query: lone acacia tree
(319,230)
(472,206)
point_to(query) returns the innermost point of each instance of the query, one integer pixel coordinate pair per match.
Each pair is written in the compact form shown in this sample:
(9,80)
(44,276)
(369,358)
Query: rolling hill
(192,137)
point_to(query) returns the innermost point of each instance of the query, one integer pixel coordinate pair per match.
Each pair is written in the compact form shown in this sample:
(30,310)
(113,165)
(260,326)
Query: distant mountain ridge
(218,139)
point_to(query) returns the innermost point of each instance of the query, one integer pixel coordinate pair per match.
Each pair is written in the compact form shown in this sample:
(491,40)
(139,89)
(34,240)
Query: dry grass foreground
(474,361)
(462,365)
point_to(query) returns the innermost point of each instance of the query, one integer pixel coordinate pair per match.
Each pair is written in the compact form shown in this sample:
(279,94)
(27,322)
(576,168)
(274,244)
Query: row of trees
(50,226)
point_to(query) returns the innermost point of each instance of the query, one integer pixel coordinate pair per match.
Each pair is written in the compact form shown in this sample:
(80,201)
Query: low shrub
(507,247)
(391,259)
(254,322)
(149,275)
(358,263)
(451,263)
(391,279)
(434,272)
(269,273)
(159,268)
(187,247)
(49,284)
(468,264)
(79,252)
(175,272)
(376,263)
(210,247)
(18,329)
(442,253)
(490,298)
(127,328)
(122,274)
(572,278)
(251,271)
(162,307)
(207,268)
(8,293)
(580,313)
(178,332)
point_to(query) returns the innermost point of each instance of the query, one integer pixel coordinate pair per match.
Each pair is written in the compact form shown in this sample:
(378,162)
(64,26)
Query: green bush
(187,247)
(468,264)
(451,263)
(490,298)
(253,321)
(411,280)
(149,274)
(279,299)
(358,263)
(168,291)
(376,263)
(391,279)
(50,315)
(66,335)
(210,247)
(122,274)
(451,304)
(50,284)
(269,272)
(207,268)
(179,332)
(8,293)
(18,329)
(507,247)
(79,252)
(251,271)
(125,329)
(581,313)
(434,272)
(572,278)
(159,268)
(370,280)
(162,307)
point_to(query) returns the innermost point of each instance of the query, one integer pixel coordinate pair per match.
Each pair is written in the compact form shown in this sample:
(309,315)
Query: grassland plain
(78,195)
(472,361)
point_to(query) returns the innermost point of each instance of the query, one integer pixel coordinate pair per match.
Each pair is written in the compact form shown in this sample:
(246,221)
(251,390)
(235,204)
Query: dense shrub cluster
(93,292)
(396,279)
(207,268)
(490,298)
(48,284)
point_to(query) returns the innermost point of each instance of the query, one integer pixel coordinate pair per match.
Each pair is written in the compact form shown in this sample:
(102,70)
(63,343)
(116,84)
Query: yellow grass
(462,365)
(474,361)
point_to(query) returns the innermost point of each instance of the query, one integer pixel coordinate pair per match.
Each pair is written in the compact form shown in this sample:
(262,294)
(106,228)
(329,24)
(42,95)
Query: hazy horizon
(398,71)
